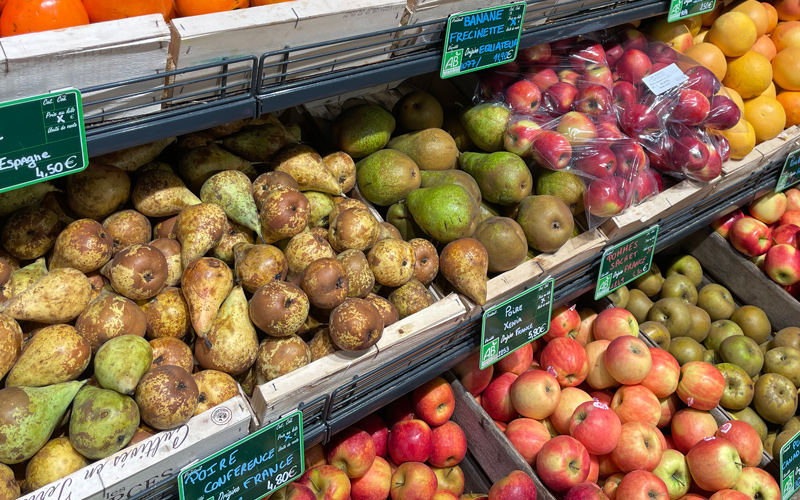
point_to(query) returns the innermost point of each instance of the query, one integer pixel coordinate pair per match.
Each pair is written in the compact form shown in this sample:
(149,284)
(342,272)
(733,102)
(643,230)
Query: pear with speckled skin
(280,355)
(206,284)
(215,387)
(355,325)
(198,164)
(57,297)
(363,129)
(55,354)
(306,167)
(102,422)
(465,263)
(56,459)
(232,343)
(411,298)
(108,316)
(446,212)
(121,363)
(233,191)
(199,228)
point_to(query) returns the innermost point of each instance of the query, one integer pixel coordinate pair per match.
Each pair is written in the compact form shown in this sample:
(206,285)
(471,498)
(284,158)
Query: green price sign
(790,467)
(250,468)
(41,138)
(626,261)
(681,9)
(482,39)
(522,319)
(790,174)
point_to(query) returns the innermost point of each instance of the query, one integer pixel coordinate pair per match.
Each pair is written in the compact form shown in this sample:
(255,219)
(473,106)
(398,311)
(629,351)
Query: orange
(786,68)
(765,47)
(709,56)
(708,18)
(772,15)
(734,33)
(255,3)
(197,7)
(108,10)
(742,138)
(771,91)
(788,10)
(749,74)
(28,16)
(791,106)
(767,117)
(786,35)
(736,98)
(2,4)
(756,12)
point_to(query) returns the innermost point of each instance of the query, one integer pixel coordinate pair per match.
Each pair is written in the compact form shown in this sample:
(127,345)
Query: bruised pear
(161,193)
(55,354)
(231,345)
(392,262)
(57,297)
(56,459)
(102,422)
(353,228)
(165,228)
(305,248)
(24,278)
(167,314)
(278,308)
(167,397)
(387,309)
(199,228)
(355,325)
(127,228)
(342,204)
(232,235)
(171,351)
(171,249)
(30,232)
(83,245)
(257,265)
(411,298)
(284,213)
(121,363)
(464,263)
(278,356)
(138,272)
(386,231)
(343,168)
(360,280)
(214,388)
(10,343)
(97,191)
(426,260)
(325,283)
(109,316)
(9,487)
(307,168)
(270,181)
(205,285)
(321,345)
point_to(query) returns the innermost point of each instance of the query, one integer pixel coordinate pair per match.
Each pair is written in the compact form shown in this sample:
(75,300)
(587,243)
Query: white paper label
(665,79)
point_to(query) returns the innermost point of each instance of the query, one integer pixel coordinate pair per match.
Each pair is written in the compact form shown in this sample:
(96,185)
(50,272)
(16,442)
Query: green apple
(744,352)
(619,297)
(639,304)
(784,361)
(672,313)
(684,350)
(717,301)
(788,337)
(721,330)
(701,323)
(674,471)
(657,332)
(687,266)
(753,322)
(775,398)
(680,287)
(751,417)
(739,387)
(650,282)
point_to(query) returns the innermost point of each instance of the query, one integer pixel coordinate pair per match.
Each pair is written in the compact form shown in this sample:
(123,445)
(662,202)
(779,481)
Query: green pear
(24,277)
(233,191)
(387,176)
(121,362)
(362,130)
(486,125)
(29,415)
(56,353)
(198,164)
(503,177)
(446,213)
(431,178)
(565,186)
(102,422)
(400,217)
(418,110)
(431,149)
(547,222)
(305,165)
(505,243)
(258,143)
(161,193)
(232,343)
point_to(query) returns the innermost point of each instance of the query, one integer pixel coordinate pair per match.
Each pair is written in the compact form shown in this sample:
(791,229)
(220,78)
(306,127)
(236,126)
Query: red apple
(534,55)
(444,495)
(615,322)
(690,426)
(569,76)
(375,484)
(327,482)
(564,322)
(494,82)
(596,161)
(628,359)
(633,66)
(607,196)
(596,426)
(515,486)
(294,491)
(519,136)
(542,77)
(577,127)
(674,472)
(688,153)
(723,146)
(571,398)
(782,264)
(568,358)
(758,483)
(660,52)
(594,469)
(669,407)
(631,158)
(585,491)
(642,484)
(450,479)
(518,362)
(636,403)
(723,113)
(352,451)
(376,427)
(413,481)
(769,208)
(701,385)
(535,394)
(634,39)
(723,225)
(714,464)
(790,216)
(562,463)
(434,402)
(599,376)
(745,439)
(448,445)
(410,441)
(314,456)
(750,236)
(585,335)
(729,495)
(702,80)
(639,448)
(613,52)
(691,109)
(551,150)
(560,96)
(624,94)
(711,170)
(664,373)
(527,435)
(611,485)
(638,120)
(523,96)
(593,100)
(598,74)
(792,199)
(496,399)
(399,409)
(586,53)
(608,132)
(471,376)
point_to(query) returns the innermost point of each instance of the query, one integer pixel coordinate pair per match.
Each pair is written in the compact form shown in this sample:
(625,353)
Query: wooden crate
(85,56)
(134,470)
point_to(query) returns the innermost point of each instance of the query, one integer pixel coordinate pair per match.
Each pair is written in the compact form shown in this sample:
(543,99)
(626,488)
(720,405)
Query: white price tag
(665,79)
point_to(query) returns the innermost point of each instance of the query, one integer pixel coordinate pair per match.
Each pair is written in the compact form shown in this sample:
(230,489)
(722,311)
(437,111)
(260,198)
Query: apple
(542,77)
(729,495)
(527,435)
(326,482)
(768,208)
(562,463)
(596,161)
(701,385)
(568,358)
(745,439)
(750,236)
(352,451)
(642,484)
(376,427)
(587,53)
(410,441)
(593,100)
(585,335)
(711,170)
(496,399)
(613,52)
(569,76)
(645,185)
(669,408)
(594,469)
(633,66)
(518,362)
(561,95)
(535,394)
(587,490)
(471,376)
(602,396)
(615,322)
(493,83)
(723,113)
(631,158)
(611,485)
(782,264)
(660,52)
(639,447)
(714,464)
(598,74)
(636,403)
(723,225)
(599,376)
(662,379)
(702,80)
(577,127)
(634,39)
(607,196)
(534,55)
(624,94)
(639,121)
(608,132)
(596,426)
(515,486)
(792,199)
(399,409)
(564,322)
(413,481)
(444,495)
(375,484)
(790,216)
(434,402)
(723,146)
(551,150)
(674,471)
(448,445)
(523,96)
(571,398)
(628,359)
(450,479)
(692,107)
(519,136)
(758,483)
(688,153)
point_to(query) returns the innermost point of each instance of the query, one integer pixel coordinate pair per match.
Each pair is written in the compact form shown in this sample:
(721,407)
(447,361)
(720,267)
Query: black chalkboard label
(482,39)
(790,467)
(250,468)
(626,261)
(681,9)
(41,138)
(790,174)
(518,321)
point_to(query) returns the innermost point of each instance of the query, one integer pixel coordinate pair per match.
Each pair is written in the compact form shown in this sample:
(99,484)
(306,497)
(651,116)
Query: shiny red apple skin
(351,450)
(523,96)
(664,373)
(496,399)
(413,481)
(642,484)
(745,439)
(515,486)
(374,425)
(750,236)
(410,441)
(782,264)
(568,358)
(701,385)
(596,426)
(562,463)
(448,445)
(434,401)
(633,66)
(551,150)
(714,464)
(723,225)
(639,447)
(327,482)
(471,376)
(375,484)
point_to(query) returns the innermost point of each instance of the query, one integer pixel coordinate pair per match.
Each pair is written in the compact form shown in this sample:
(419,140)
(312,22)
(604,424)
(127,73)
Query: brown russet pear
(305,248)
(258,143)
(232,235)
(83,245)
(215,387)
(198,164)
(233,191)
(172,254)
(426,260)
(284,213)
(167,314)
(25,196)
(167,397)
(305,165)
(279,308)
(465,263)
(411,298)
(280,355)
(257,265)
(199,228)
(97,191)
(161,193)
(227,128)
(24,278)
(109,316)
(137,272)
(171,351)
(30,232)
(343,169)
(269,181)
(232,344)
(55,354)
(10,343)
(355,325)
(325,283)
(354,228)
(388,311)
(392,262)
(206,284)
(132,158)
(126,228)
(57,297)
(320,205)
(360,280)
(321,344)
(546,221)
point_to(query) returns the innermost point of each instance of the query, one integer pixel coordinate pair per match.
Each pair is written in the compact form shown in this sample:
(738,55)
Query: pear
(25,196)
(53,355)
(343,169)
(10,343)
(505,242)
(138,272)
(431,149)
(199,228)
(233,191)
(270,181)
(198,164)
(360,279)
(258,143)
(354,228)
(102,422)
(167,397)
(29,415)
(108,316)
(355,325)
(231,345)
(426,260)
(464,263)
(206,284)
(24,278)
(131,159)
(121,363)
(279,309)
(284,213)
(127,228)
(503,177)
(55,202)
(410,298)
(97,191)
(446,212)
(547,222)
(160,193)
(280,355)
(232,235)
(215,387)
(387,176)
(306,167)
(257,265)
(401,219)
(453,126)
(171,351)
(226,128)
(305,248)
(388,311)
(171,249)
(83,245)
(320,206)
(565,186)
(486,125)
(392,262)
(56,459)
(418,110)
(30,232)
(58,297)
(362,130)
(167,314)
(431,178)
